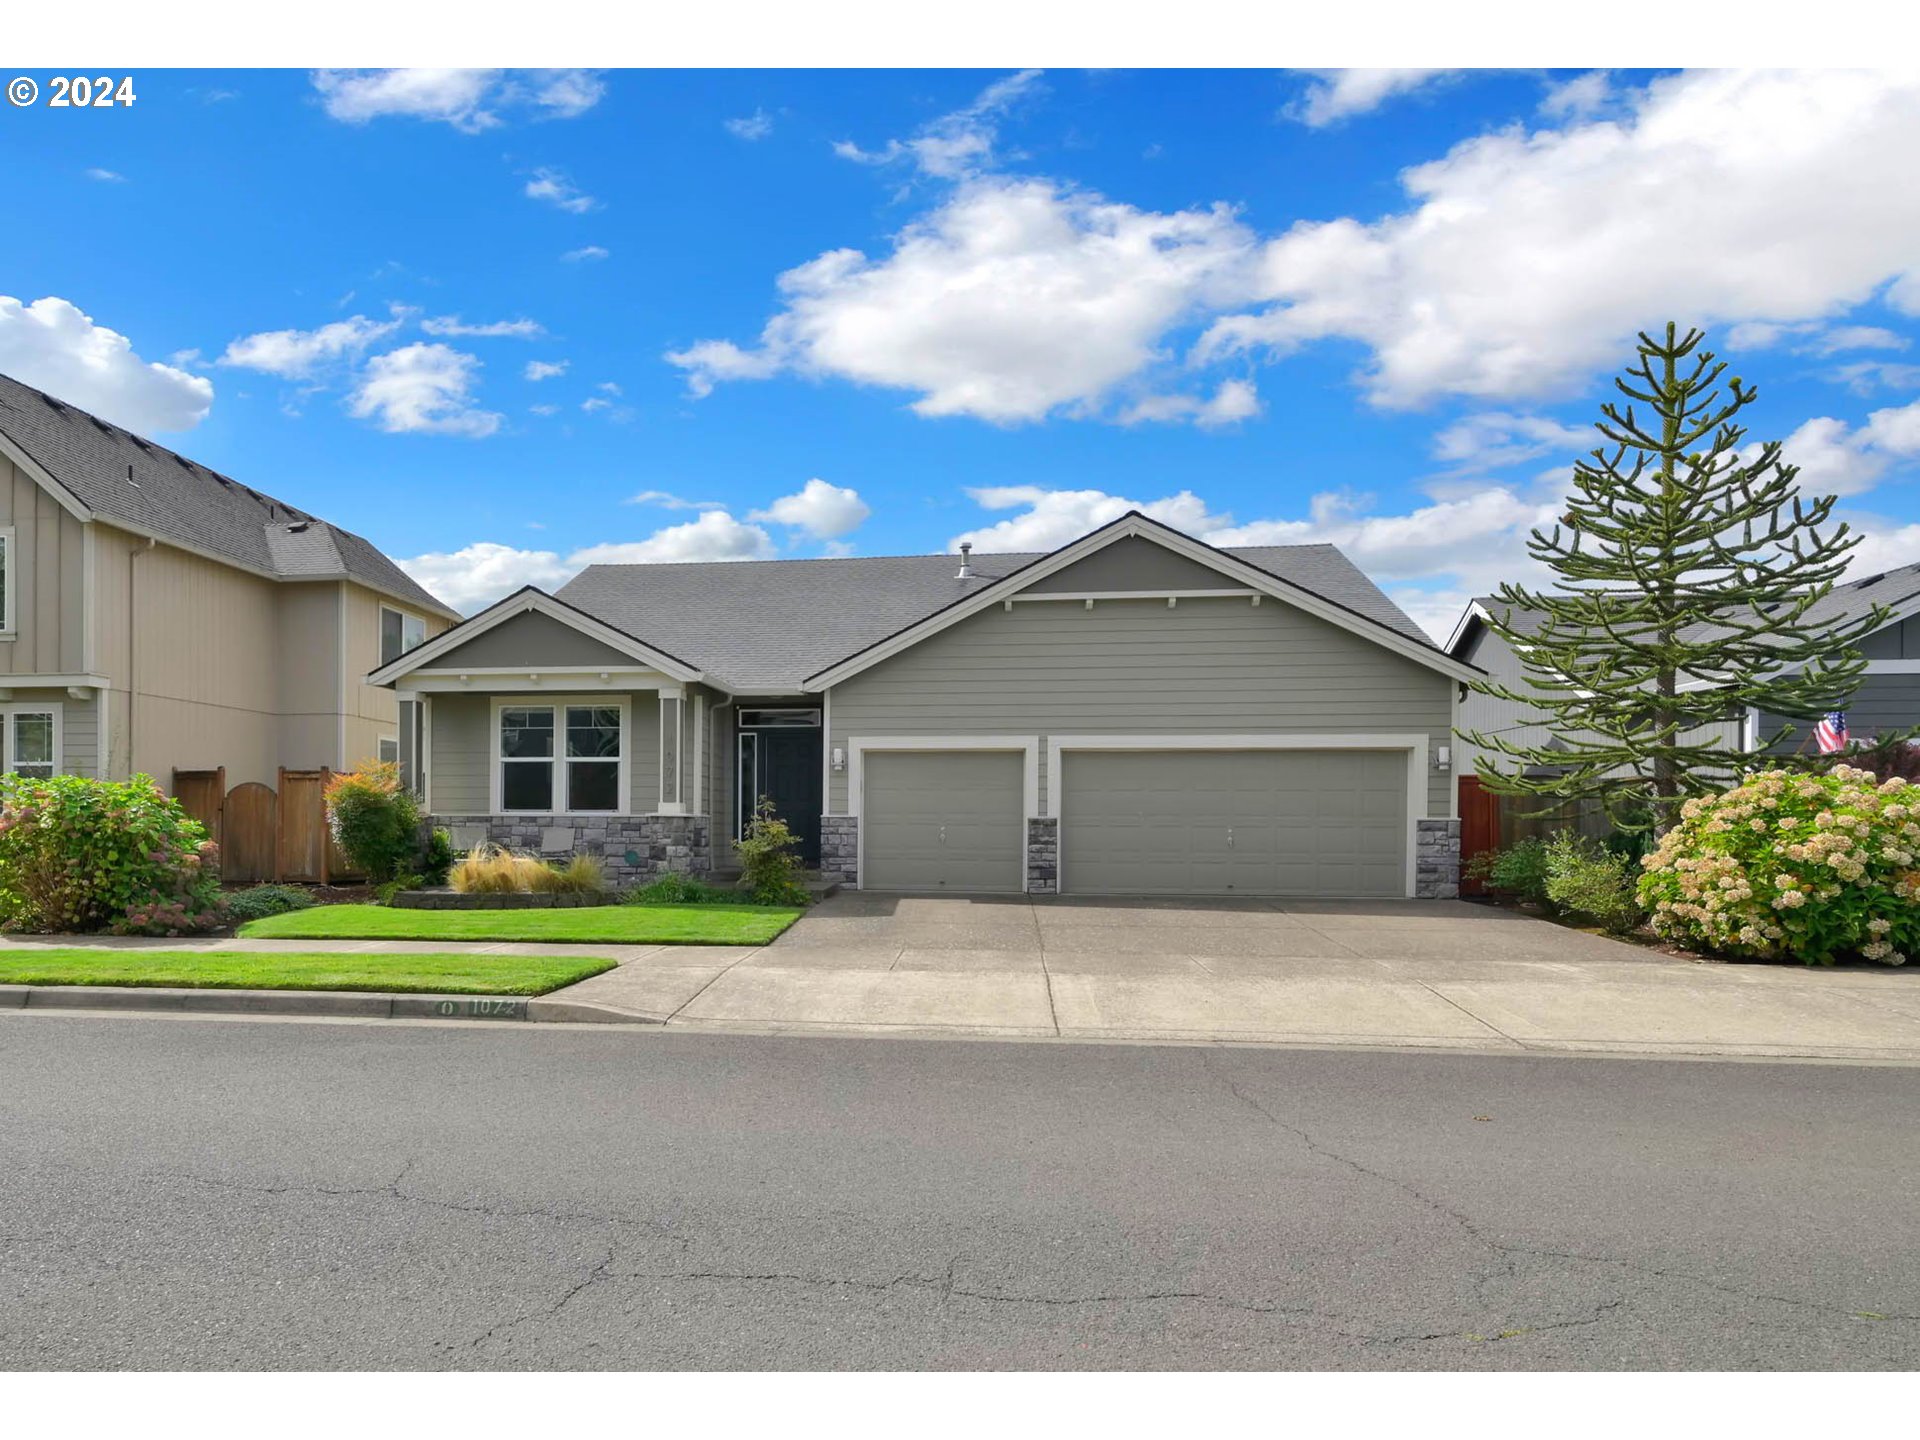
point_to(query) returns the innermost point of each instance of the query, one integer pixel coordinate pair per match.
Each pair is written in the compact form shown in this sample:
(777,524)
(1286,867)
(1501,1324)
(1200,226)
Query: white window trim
(558,704)
(405,616)
(1415,745)
(1028,747)
(9,618)
(393,740)
(35,707)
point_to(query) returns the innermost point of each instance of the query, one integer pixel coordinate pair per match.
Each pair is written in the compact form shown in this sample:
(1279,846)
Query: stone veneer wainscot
(636,848)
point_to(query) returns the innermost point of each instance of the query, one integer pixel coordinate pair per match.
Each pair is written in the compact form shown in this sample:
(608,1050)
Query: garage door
(947,820)
(1226,822)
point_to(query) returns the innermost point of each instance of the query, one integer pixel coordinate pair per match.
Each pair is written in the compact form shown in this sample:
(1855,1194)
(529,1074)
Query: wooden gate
(305,845)
(251,821)
(1479,828)
(201,794)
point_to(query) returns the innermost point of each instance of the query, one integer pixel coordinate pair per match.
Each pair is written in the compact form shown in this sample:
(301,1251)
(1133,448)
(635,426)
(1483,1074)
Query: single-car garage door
(1234,822)
(943,820)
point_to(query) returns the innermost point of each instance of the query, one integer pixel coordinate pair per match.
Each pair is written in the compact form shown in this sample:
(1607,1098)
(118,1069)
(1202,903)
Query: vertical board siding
(49,579)
(1203,667)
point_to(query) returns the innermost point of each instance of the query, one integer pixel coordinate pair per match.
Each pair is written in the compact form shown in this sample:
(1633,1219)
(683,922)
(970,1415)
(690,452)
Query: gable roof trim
(1133,523)
(530,599)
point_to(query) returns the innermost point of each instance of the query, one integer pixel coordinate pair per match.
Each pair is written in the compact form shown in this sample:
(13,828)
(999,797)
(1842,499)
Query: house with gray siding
(1136,713)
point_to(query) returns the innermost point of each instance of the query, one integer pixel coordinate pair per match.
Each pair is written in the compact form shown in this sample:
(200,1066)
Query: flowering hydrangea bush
(1813,867)
(80,854)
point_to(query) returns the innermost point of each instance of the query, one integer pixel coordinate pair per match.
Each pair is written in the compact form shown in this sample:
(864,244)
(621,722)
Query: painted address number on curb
(483,1009)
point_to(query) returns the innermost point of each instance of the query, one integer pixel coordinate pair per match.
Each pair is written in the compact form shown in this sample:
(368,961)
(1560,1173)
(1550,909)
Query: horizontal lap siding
(460,752)
(1883,704)
(1203,667)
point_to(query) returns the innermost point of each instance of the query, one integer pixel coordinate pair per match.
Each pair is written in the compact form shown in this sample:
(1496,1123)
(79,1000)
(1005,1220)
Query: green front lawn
(588,925)
(238,970)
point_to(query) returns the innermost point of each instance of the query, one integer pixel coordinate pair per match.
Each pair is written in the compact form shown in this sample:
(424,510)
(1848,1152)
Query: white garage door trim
(1028,747)
(1414,745)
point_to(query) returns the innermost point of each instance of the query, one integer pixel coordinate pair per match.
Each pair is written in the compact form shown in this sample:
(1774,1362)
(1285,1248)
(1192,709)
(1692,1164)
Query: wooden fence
(266,833)
(1493,822)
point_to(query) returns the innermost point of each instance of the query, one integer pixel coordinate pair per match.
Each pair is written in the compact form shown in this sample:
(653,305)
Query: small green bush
(384,892)
(1520,870)
(768,861)
(680,890)
(1802,866)
(438,858)
(263,900)
(375,820)
(79,854)
(1591,882)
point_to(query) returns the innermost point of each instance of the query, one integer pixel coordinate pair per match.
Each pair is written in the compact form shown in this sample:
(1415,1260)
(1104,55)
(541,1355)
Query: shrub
(375,820)
(767,859)
(1813,866)
(494,869)
(1520,870)
(263,900)
(384,892)
(437,859)
(80,854)
(1590,881)
(683,890)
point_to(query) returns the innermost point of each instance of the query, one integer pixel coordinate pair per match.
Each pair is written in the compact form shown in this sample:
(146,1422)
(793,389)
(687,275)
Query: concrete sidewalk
(1391,973)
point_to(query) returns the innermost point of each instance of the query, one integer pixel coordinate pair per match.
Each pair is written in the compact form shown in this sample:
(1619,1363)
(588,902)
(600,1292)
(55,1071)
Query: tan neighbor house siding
(372,711)
(1203,666)
(47,634)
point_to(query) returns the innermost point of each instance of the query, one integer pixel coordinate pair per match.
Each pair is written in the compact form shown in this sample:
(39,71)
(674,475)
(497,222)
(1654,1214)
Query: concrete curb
(354,1004)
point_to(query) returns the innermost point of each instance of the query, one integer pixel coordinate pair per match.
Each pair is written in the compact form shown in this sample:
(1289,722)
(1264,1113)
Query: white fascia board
(1136,525)
(522,602)
(1474,611)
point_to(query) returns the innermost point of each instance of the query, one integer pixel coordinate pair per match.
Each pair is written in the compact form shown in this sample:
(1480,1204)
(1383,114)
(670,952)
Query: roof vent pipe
(966,561)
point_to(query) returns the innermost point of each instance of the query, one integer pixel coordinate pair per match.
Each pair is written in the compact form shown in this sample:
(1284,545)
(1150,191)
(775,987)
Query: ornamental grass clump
(79,854)
(1818,868)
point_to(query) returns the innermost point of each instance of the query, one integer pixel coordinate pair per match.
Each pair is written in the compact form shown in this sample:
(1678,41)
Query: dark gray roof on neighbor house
(128,480)
(770,624)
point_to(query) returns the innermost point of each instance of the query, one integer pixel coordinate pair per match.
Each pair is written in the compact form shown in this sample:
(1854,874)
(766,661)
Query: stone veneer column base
(1436,859)
(636,848)
(840,849)
(1043,855)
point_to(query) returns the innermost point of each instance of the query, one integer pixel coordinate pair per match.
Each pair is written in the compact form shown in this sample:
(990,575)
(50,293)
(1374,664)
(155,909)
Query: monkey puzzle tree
(1685,567)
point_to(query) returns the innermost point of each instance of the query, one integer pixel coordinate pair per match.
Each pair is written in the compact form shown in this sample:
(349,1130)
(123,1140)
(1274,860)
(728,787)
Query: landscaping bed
(439,899)
(594,924)
(467,974)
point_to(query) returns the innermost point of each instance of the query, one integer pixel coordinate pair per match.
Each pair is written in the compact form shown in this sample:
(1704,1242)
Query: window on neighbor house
(389,750)
(399,633)
(32,738)
(561,758)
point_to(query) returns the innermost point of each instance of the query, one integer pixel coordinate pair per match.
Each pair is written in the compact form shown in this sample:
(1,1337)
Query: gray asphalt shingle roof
(770,624)
(122,477)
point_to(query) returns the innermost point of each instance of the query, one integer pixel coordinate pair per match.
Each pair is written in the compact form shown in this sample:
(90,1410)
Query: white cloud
(555,188)
(422,389)
(296,354)
(756,126)
(1340,94)
(824,511)
(475,576)
(1578,98)
(1234,401)
(716,535)
(1864,377)
(1839,459)
(53,346)
(469,100)
(545,369)
(1896,431)
(1013,299)
(1857,337)
(585,252)
(547,410)
(957,144)
(486,330)
(1493,440)
(608,387)
(1711,159)
(666,500)
(111,177)
(1883,546)
(1812,337)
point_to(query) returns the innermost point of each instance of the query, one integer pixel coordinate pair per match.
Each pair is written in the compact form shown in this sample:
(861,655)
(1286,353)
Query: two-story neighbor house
(1136,713)
(156,615)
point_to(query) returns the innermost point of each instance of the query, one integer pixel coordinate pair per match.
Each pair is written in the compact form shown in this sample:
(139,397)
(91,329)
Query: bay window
(561,757)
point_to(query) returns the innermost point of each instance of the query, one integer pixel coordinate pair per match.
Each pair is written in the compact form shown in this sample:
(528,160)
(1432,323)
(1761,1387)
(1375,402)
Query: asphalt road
(214,1194)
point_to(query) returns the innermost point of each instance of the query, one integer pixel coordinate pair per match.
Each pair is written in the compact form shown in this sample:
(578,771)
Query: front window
(399,633)
(561,758)
(31,742)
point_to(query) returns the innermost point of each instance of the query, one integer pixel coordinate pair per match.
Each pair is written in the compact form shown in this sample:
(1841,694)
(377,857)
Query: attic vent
(299,528)
(184,463)
(101,425)
(966,561)
(53,404)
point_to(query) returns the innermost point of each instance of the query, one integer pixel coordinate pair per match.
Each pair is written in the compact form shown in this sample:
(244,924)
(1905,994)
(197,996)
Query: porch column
(673,708)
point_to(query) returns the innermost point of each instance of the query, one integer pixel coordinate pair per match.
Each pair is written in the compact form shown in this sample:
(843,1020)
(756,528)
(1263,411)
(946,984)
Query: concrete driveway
(1395,972)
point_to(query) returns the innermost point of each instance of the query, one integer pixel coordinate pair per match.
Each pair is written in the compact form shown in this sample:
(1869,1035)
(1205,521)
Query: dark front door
(790,777)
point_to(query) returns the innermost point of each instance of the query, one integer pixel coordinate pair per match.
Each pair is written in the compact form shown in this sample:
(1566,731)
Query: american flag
(1831,732)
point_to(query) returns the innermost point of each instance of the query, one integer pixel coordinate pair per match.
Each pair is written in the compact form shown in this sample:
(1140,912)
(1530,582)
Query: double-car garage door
(1145,822)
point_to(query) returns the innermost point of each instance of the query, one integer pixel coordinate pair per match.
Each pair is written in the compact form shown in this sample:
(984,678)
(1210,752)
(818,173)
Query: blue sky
(507,323)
